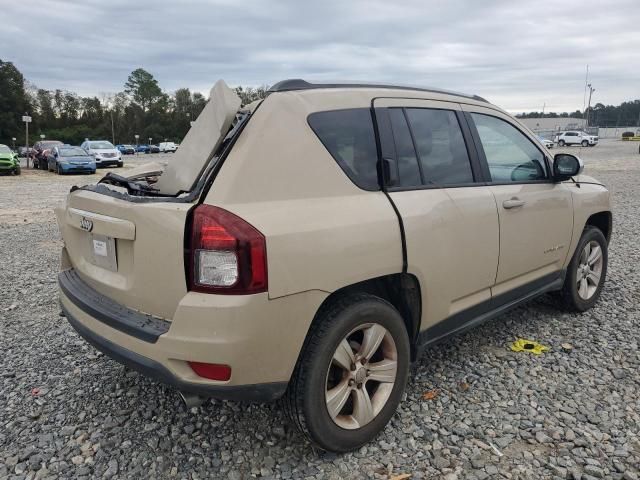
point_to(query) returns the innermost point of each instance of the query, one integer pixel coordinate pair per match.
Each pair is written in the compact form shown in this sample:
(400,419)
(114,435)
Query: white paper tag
(100,248)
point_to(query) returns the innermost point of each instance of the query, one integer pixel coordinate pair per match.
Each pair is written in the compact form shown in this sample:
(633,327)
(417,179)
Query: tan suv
(310,246)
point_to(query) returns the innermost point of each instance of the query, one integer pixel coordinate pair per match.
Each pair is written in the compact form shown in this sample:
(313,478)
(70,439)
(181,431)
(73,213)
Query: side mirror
(566,166)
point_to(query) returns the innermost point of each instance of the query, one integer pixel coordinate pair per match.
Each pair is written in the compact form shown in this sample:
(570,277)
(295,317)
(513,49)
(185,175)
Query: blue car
(126,149)
(67,159)
(142,148)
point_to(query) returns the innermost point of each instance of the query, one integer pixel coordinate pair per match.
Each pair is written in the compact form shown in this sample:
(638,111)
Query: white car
(104,152)
(546,142)
(166,147)
(575,137)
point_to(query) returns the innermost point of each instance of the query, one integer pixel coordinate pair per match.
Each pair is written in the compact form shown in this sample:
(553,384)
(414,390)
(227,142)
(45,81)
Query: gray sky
(517,54)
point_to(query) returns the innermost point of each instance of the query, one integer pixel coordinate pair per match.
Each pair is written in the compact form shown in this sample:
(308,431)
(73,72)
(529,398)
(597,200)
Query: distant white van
(166,147)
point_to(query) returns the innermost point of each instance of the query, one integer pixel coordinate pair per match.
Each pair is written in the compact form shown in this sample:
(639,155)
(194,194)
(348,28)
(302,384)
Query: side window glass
(409,172)
(348,136)
(511,156)
(442,153)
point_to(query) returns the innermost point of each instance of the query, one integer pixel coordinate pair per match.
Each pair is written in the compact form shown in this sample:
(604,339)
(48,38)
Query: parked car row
(164,147)
(570,137)
(55,156)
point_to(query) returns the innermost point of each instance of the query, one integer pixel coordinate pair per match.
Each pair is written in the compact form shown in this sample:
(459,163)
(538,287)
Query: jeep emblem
(86,224)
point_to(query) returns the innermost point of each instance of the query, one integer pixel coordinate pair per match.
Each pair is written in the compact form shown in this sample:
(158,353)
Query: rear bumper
(258,393)
(259,338)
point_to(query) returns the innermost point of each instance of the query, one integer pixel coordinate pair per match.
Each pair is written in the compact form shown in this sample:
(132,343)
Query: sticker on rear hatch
(103,252)
(100,248)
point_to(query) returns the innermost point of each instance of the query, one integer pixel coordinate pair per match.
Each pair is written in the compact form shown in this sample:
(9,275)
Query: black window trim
(483,159)
(347,171)
(474,160)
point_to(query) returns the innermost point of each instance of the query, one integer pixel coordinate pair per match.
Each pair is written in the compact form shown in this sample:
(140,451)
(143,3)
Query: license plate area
(102,252)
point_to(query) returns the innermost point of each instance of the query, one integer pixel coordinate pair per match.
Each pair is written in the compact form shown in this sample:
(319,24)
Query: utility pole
(543,107)
(26,119)
(591,90)
(584,96)
(113,135)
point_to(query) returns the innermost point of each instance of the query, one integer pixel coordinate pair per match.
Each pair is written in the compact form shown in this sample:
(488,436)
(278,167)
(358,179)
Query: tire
(120,164)
(573,296)
(305,401)
(17,171)
(59,171)
(561,143)
(585,143)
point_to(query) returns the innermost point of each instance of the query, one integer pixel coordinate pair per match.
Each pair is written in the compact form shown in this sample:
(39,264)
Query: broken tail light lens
(226,254)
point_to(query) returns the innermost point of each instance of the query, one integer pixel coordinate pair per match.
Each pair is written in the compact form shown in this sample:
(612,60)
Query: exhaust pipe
(191,400)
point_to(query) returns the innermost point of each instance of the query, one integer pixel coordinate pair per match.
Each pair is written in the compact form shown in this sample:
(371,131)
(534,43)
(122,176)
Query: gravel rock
(560,415)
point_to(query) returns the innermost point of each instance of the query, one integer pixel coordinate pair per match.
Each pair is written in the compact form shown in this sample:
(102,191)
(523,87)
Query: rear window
(349,137)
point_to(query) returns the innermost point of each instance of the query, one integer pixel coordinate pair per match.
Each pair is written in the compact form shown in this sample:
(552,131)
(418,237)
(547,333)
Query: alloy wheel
(589,270)
(361,376)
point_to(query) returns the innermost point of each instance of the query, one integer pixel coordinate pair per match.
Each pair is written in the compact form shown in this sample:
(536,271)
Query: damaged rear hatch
(124,237)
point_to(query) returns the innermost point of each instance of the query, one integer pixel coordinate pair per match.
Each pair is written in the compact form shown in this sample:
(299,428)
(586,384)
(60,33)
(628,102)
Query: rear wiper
(131,186)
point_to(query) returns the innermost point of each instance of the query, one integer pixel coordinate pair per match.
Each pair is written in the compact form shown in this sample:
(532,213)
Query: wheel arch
(602,221)
(402,290)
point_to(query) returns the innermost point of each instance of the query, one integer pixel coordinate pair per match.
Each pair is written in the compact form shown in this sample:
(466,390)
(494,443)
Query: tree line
(141,108)
(627,114)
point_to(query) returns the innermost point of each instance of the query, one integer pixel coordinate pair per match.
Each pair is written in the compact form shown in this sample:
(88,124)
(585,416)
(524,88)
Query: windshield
(100,145)
(128,146)
(72,152)
(5,149)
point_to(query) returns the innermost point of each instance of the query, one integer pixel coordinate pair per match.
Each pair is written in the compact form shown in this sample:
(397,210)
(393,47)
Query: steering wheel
(527,171)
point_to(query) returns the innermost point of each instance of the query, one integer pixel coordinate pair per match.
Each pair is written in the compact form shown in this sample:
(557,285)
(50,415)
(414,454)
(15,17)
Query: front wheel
(585,143)
(120,164)
(17,171)
(351,373)
(59,170)
(586,272)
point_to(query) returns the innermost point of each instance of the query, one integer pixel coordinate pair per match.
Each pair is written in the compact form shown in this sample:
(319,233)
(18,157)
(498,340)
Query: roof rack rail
(293,84)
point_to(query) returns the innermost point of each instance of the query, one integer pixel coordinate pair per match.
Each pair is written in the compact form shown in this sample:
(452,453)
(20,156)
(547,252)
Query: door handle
(515,202)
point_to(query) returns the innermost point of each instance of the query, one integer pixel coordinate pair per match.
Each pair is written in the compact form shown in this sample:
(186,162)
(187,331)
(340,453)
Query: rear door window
(349,137)
(440,146)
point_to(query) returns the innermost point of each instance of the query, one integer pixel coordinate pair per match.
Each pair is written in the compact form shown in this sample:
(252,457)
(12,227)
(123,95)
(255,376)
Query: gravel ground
(67,411)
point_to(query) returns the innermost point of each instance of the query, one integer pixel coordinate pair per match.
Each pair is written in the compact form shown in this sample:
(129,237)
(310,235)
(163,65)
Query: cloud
(519,55)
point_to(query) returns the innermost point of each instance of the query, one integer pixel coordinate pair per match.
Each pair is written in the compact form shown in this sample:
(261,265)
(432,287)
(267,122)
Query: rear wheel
(561,143)
(351,373)
(585,143)
(586,272)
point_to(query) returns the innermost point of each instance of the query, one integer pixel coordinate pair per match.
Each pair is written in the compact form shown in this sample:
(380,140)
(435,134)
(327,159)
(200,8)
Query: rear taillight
(226,254)
(212,371)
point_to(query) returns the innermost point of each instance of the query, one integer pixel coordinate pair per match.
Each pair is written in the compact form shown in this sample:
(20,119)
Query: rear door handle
(515,202)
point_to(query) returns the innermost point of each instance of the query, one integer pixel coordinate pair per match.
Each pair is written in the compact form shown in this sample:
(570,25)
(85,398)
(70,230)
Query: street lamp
(137,137)
(149,142)
(42,136)
(13,139)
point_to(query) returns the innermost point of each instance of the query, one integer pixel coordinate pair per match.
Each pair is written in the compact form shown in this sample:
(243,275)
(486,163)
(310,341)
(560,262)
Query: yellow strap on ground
(523,345)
